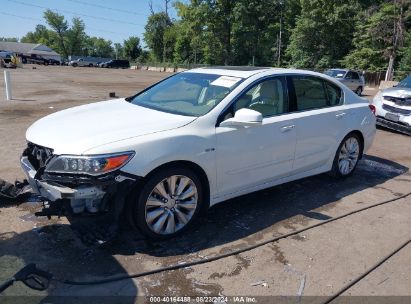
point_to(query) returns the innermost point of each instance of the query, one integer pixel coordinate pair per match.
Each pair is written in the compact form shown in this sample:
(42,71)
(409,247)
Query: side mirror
(244,117)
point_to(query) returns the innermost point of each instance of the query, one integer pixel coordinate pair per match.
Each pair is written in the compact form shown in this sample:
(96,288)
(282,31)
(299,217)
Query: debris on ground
(302,286)
(14,192)
(260,283)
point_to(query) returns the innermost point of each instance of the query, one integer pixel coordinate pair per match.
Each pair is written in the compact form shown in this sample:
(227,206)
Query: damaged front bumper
(397,126)
(85,194)
(77,196)
(55,192)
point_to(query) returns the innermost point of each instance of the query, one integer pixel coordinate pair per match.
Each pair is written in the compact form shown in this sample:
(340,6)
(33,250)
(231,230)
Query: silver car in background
(393,107)
(352,79)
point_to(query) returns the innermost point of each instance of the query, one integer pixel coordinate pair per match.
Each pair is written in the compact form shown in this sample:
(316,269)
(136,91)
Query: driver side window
(268,97)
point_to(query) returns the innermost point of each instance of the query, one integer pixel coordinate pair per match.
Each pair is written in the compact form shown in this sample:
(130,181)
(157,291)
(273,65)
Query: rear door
(352,80)
(320,121)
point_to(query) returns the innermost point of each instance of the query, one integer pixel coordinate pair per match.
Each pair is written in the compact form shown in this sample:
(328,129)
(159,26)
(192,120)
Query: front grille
(400,101)
(38,155)
(396,110)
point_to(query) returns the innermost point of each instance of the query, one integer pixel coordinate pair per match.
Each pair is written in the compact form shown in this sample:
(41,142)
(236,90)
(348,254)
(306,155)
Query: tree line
(72,39)
(312,34)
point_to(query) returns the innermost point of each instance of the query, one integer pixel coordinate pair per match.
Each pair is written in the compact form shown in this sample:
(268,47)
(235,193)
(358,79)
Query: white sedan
(197,138)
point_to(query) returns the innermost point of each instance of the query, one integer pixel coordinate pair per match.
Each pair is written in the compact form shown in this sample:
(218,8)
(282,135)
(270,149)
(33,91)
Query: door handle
(340,115)
(287,128)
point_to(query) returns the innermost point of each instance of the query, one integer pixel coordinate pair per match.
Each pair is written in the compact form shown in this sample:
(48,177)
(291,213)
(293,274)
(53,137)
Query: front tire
(347,156)
(168,203)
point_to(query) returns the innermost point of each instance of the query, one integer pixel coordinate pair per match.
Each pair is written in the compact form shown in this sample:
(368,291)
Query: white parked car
(393,107)
(82,63)
(196,139)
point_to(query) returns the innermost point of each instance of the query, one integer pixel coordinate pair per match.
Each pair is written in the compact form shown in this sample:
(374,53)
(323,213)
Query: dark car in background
(53,61)
(115,63)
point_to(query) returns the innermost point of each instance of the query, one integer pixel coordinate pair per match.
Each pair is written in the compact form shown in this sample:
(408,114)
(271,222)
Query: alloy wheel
(348,156)
(171,204)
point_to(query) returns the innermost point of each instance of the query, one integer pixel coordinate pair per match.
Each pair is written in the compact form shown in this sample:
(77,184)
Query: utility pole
(166,2)
(280,35)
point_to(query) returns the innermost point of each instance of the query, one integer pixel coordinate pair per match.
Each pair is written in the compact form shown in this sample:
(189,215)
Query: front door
(252,155)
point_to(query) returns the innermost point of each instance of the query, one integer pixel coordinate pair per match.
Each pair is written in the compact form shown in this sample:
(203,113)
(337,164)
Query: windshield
(335,73)
(405,83)
(191,94)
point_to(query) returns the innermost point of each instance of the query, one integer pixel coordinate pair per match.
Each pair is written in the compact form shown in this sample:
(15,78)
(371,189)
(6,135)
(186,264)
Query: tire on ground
(140,196)
(335,171)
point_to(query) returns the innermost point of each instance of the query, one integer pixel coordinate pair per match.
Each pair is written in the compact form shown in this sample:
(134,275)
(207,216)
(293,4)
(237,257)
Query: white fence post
(7,82)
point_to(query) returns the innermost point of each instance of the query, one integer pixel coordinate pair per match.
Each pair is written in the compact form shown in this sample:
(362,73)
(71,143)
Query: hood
(397,92)
(78,129)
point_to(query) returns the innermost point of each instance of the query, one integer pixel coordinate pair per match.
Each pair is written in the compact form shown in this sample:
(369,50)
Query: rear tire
(359,91)
(347,156)
(168,203)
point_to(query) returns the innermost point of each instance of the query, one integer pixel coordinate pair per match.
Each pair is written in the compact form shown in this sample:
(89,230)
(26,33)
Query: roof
(245,73)
(26,48)
(239,68)
(235,71)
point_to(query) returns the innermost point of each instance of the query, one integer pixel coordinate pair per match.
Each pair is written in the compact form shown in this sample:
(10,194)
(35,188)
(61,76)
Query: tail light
(372,108)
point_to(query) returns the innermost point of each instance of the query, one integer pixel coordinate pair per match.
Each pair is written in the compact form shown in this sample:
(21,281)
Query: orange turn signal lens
(115,162)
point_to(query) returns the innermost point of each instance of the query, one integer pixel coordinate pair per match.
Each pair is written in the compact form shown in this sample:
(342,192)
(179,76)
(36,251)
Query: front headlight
(92,165)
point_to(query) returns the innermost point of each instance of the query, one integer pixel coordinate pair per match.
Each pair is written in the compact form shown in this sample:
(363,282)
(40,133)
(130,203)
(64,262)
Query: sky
(115,20)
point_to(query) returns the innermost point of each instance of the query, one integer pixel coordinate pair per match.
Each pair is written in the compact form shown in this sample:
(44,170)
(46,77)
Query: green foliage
(132,49)
(68,39)
(76,37)
(40,35)
(256,31)
(155,35)
(98,47)
(60,30)
(323,33)
(380,32)
(405,63)
(313,34)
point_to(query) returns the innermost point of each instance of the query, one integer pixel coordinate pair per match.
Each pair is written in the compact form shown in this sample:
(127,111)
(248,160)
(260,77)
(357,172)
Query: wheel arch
(202,175)
(361,137)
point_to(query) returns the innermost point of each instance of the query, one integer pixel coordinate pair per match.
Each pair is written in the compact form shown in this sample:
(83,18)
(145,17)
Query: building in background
(29,49)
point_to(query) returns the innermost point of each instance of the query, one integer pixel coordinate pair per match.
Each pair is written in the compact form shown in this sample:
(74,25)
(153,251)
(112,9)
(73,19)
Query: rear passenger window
(309,92)
(355,75)
(334,94)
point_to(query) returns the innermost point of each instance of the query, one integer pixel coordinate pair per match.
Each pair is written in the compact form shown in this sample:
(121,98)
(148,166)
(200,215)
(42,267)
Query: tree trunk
(389,74)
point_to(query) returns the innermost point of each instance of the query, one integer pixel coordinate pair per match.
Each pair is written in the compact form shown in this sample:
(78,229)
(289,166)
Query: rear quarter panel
(362,119)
